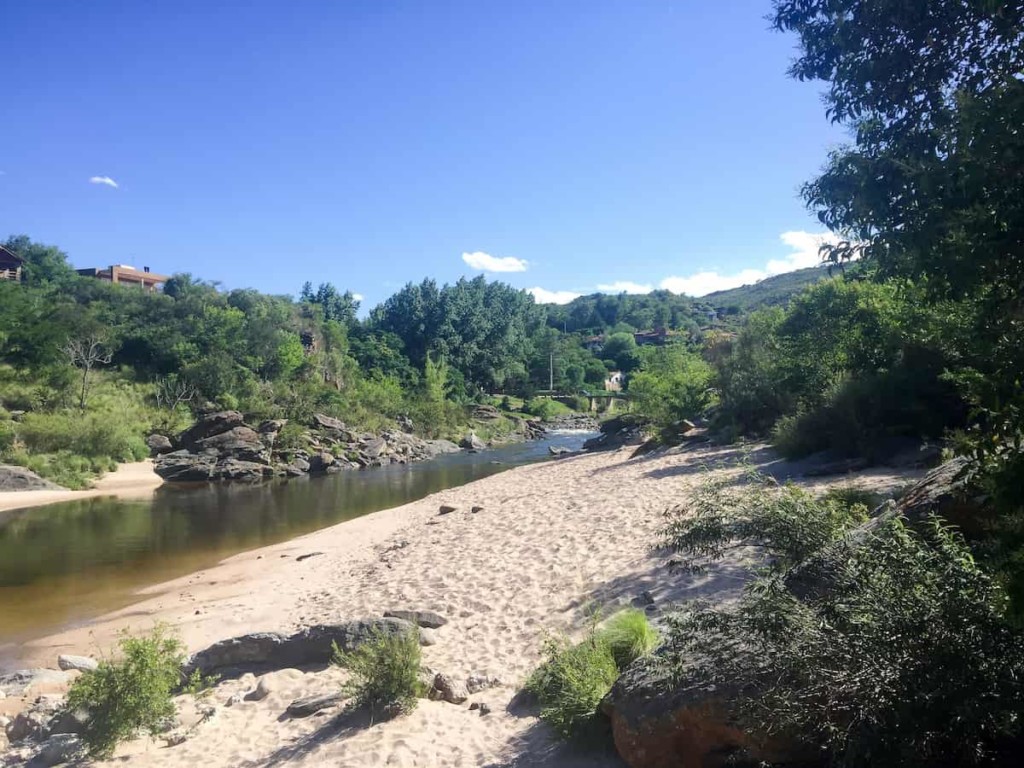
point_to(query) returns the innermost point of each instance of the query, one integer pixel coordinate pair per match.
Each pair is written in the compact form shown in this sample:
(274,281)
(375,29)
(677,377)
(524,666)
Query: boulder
(297,467)
(67,661)
(209,425)
(310,705)
(272,650)
(239,442)
(433,448)
(58,749)
(20,479)
(183,466)
(319,462)
(448,689)
(21,681)
(472,443)
(427,619)
(159,444)
(374,447)
(329,423)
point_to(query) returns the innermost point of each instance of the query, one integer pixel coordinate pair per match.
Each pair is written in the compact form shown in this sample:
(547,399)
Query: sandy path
(131,481)
(553,541)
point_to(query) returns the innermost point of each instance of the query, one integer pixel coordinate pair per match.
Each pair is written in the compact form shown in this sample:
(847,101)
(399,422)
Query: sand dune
(553,542)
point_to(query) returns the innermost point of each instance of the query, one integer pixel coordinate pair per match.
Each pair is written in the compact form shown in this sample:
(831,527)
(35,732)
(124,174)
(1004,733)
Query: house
(658,336)
(614,382)
(594,343)
(10,265)
(122,274)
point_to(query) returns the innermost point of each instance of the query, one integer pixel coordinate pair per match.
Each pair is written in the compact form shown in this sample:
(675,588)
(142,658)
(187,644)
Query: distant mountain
(765,293)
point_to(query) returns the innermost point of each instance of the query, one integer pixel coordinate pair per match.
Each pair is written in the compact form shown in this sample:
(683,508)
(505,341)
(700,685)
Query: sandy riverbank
(131,481)
(552,541)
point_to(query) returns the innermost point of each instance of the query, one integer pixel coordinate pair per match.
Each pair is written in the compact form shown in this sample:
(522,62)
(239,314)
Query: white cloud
(487,263)
(803,253)
(105,180)
(357,296)
(625,286)
(544,296)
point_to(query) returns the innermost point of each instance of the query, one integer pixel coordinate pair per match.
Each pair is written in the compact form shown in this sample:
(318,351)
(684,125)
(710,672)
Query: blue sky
(263,144)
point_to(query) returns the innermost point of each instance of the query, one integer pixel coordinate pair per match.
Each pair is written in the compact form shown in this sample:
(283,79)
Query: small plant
(628,635)
(385,673)
(130,694)
(571,682)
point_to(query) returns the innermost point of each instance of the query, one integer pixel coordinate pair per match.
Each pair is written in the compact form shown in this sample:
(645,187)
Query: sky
(564,147)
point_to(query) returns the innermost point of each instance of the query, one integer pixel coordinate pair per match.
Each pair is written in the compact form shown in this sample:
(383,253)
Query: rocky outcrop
(472,443)
(427,619)
(263,651)
(20,479)
(220,446)
(616,433)
(159,444)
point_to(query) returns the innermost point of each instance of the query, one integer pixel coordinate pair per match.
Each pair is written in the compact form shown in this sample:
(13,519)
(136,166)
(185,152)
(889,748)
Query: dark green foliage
(673,384)
(787,521)
(384,673)
(131,693)
(905,659)
(776,290)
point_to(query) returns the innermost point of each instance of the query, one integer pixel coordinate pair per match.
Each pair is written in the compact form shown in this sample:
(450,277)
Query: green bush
(8,435)
(905,659)
(545,408)
(628,635)
(570,684)
(130,694)
(385,673)
(789,522)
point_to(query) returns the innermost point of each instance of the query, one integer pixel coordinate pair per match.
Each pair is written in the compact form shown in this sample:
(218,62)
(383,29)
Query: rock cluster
(21,479)
(221,446)
(617,432)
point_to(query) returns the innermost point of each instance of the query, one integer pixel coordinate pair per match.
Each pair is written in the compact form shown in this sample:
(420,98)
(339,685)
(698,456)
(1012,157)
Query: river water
(64,564)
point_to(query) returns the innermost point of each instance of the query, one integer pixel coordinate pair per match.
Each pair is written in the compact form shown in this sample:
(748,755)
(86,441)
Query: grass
(384,673)
(573,679)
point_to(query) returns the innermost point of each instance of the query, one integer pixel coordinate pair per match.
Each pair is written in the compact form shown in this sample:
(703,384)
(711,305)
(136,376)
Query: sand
(131,481)
(553,542)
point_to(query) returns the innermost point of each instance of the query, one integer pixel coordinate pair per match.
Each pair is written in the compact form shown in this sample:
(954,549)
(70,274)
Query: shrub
(130,694)
(906,658)
(385,673)
(570,684)
(789,522)
(628,635)
(672,384)
(545,408)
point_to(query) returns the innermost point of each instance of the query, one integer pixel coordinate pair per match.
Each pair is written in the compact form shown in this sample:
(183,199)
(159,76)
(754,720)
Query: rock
(482,707)
(405,424)
(329,423)
(183,466)
(447,689)
(310,705)
(374,448)
(176,738)
(616,433)
(237,698)
(271,650)
(208,426)
(486,413)
(446,509)
(319,462)
(159,444)
(477,683)
(34,722)
(658,723)
(236,469)
(58,749)
(427,619)
(299,464)
(68,721)
(557,450)
(241,442)
(428,636)
(19,682)
(433,448)
(472,443)
(476,508)
(306,556)
(20,479)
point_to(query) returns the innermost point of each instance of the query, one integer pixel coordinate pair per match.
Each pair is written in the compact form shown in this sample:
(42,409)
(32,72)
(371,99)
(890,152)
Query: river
(64,564)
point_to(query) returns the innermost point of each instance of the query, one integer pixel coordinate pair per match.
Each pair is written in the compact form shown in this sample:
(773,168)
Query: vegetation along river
(63,564)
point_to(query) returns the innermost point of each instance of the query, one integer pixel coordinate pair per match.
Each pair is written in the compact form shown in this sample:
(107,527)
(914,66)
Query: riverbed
(64,564)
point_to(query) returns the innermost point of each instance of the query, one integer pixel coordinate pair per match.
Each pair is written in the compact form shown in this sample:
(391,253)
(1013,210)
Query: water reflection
(62,564)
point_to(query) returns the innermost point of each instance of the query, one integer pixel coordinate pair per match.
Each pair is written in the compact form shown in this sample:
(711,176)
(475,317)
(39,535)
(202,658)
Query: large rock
(448,689)
(616,433)
(374,447)
(320,462)
(433,448)
(428,619)
(209,425)
(184,466)
(68,661)
(241,442)
(472,443)
(271,650)
(20,479)
(329,423)
(159,444)
(20,681)
(310,705)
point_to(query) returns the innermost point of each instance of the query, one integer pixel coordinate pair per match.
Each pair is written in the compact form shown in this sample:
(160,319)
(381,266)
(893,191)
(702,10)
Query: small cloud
(803,253)
(105,180)
(358,296)
(625,286)
(544,296)
(487,263)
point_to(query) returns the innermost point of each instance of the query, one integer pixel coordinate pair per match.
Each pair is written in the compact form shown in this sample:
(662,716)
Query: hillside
(765,293)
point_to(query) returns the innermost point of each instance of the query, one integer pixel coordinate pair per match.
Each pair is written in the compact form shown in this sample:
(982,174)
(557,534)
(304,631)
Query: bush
(545,408)
(385,673)
(131,694)
(570,684)
(789,522)
(628,635)
(906,659)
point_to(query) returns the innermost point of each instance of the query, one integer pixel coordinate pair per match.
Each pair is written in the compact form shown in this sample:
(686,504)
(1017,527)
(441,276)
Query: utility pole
(551,372)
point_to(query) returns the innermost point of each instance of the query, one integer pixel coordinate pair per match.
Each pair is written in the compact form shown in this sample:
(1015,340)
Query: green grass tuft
(385,673)
(629,635)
